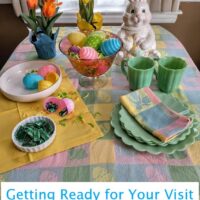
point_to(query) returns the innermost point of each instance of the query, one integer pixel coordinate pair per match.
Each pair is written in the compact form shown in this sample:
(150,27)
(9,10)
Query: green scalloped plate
(169,149)
(134,129)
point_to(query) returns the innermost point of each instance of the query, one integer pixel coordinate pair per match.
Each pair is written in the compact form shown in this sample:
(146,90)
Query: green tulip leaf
(32,24)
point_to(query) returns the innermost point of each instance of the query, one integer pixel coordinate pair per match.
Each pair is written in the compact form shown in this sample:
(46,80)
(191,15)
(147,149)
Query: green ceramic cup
(139,71)
(169,73)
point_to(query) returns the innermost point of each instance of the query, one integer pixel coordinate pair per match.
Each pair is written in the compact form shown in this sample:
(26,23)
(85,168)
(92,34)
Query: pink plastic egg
(88,53)
(65,45)
(51,104)
(44,70)
(66,106)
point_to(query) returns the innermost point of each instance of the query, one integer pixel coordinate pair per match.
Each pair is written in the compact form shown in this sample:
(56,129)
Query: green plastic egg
(93,41)
(100,34)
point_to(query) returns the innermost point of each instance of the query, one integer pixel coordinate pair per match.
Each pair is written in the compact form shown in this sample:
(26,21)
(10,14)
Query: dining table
(108,158)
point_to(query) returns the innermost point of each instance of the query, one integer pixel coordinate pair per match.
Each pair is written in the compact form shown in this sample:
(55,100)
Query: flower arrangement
(46,18)
(41,24)
(87,20)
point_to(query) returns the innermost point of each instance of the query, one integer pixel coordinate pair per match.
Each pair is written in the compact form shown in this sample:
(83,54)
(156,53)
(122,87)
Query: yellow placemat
(73,130)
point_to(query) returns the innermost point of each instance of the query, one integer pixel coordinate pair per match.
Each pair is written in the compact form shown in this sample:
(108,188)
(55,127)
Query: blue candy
(31,80)
(110,46)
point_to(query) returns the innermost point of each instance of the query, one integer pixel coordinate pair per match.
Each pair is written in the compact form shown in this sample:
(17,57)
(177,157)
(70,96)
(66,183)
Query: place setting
(154,121)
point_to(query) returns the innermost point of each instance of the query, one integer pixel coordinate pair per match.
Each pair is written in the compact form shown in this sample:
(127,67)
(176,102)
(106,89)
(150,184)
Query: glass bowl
(91,70)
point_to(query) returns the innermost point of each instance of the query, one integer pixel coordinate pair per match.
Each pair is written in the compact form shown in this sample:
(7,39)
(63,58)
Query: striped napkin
(153,115)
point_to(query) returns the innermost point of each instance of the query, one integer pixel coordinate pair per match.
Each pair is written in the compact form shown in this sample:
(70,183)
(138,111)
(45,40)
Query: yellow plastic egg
(52,77)
(44,84)
(77,38)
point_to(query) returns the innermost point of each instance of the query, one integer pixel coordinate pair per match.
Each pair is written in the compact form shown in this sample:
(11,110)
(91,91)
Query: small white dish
(38,147)
(11,84)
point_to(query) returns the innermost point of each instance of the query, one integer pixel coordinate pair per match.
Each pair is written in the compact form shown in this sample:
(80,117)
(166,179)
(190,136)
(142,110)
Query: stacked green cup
(170,72)
(139,71)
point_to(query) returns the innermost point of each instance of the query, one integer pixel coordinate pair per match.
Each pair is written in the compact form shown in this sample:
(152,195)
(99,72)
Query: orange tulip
(49,8)
(32,4)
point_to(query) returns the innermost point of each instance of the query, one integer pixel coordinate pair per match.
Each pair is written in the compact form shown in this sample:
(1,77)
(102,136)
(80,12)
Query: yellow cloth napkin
(73,130)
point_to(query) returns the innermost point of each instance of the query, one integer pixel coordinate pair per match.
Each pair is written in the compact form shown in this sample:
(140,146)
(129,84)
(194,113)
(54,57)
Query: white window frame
(116,16)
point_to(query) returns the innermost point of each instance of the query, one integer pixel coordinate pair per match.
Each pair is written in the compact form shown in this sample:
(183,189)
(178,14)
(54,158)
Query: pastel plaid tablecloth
(108,159)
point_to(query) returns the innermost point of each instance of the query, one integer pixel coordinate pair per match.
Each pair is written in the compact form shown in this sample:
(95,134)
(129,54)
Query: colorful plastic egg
(31,80)
(88,53)
(100,34)
(52,77)
(77,38)
(51,104)
(65,45)
(66,106)
(44,70)
(43,85)
(93,41)
(110,46)
(74,49)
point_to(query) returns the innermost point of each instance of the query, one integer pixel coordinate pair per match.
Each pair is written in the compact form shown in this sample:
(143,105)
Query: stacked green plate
(132,134)
(134,130)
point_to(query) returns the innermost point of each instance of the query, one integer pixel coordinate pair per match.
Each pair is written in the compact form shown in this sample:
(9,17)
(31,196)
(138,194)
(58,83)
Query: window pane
(110,3)
(100,5)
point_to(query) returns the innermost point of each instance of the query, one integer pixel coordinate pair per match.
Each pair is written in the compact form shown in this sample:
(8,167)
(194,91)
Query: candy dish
(11,82)
(39,147)
(91,67)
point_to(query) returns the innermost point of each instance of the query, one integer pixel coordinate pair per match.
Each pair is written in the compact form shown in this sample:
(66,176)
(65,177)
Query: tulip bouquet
(48,15)
(41,24)
(87,20)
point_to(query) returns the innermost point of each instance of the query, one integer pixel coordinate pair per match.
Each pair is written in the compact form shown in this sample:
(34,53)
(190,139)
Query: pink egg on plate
(66,106)
(88,53)
(44,70)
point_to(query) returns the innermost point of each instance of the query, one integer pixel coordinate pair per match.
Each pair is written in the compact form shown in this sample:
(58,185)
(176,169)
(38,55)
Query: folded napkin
(153,115)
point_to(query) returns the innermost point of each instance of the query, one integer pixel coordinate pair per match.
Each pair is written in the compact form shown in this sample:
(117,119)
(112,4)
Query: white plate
(11,84)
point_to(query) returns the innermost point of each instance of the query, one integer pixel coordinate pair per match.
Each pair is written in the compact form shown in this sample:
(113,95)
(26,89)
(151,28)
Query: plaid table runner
(108,159)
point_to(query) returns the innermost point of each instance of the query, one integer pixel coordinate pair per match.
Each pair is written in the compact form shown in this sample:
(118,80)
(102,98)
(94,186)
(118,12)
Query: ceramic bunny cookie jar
(136,32)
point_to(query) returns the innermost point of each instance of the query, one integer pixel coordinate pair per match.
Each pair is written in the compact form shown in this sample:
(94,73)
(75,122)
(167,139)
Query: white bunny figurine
(136,32)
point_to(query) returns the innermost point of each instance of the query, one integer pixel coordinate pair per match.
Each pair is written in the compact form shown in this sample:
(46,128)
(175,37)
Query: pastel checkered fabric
(108,159)
(153,115)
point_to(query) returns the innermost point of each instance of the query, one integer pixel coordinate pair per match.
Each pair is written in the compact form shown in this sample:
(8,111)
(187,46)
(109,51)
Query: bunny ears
(132,1)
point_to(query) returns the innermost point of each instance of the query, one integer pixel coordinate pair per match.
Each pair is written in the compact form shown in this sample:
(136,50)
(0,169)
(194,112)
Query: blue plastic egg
(31,80)
(110,46)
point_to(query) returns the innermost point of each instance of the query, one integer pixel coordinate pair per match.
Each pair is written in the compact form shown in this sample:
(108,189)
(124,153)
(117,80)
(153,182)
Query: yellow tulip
(85,1)
(85,26)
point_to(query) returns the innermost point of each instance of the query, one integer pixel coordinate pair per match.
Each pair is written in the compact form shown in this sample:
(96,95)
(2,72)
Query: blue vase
(45,45)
